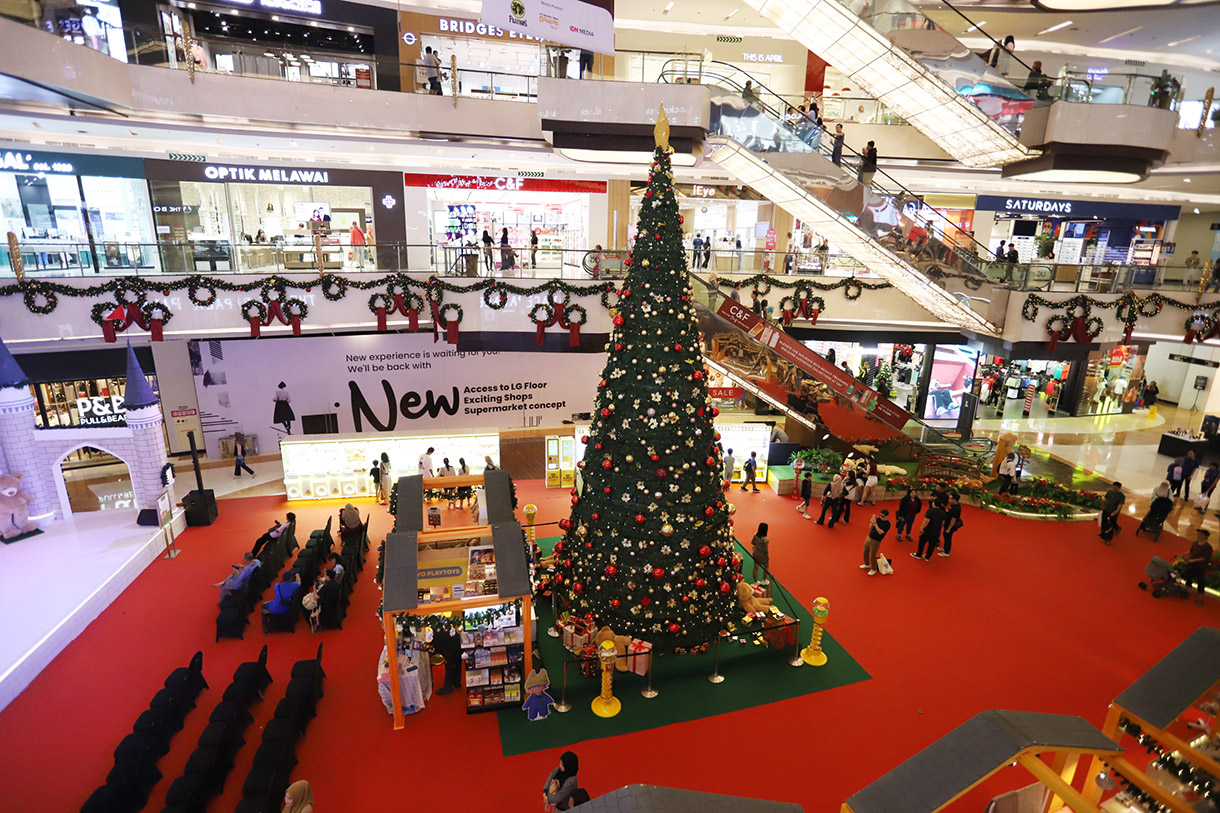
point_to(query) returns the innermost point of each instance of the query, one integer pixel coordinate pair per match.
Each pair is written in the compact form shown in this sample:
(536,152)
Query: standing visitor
(806,494)
(1151,392)
(696,246)
(1189,464)
(432,69)
(952,523)
(908,509)
(283,414)
(929,532)
(488,465)
(868,164)
(1207,486)
(506,253)
(830,500)
(465,494)
(1007,472)
(729,464)
(586,63)
(298,798)
(425,462)
(562,782)
(836,152)
(750,468)
(870,483)
(447,643)
(375,476)
(1192,265)
(738,240)
(357,242)
(1000,57)
(534,242)
(851,492)
(448,471)
(1197,560)
(1111,504)
(488,257)
(385,475)
(878,527)
(707,250)
(239,455)
(761,547)
(748,94)
(1176,475)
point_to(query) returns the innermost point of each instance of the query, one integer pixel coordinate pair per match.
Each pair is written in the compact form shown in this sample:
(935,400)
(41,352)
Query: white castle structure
(38,454)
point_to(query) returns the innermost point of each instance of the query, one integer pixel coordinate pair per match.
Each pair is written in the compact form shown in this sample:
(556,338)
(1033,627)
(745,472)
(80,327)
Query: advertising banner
(380,384)
(834,377)
(577,23)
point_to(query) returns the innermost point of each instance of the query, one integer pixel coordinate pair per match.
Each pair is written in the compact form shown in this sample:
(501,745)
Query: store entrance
(97,488)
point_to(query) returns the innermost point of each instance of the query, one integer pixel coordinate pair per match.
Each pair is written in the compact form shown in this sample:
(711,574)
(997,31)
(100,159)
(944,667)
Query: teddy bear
(621,642)
(749,602)
(14,507)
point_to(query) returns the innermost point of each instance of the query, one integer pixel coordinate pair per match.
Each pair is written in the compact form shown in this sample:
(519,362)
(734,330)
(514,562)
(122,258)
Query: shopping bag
(883,566)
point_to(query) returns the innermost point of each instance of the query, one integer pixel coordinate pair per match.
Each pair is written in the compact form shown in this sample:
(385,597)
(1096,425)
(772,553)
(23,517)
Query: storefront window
(1108,380)
(97,24)
(85,403)
(487,66)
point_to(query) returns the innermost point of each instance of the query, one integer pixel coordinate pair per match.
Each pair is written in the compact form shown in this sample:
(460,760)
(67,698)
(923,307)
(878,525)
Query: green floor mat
(754,675)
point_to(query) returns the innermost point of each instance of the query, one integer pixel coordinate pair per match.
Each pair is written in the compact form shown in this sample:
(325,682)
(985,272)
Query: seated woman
(281,602)
(1159,508)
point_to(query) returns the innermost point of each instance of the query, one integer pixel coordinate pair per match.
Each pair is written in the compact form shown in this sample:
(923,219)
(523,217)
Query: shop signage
(101,410)
(725,392)
(296,6)
(1193,360)
(173,210)
(388,201)
(701,191)
(265,174)
(27,162)
(837,379)
(749,57)
(728,38)
(579,24)
(503,184)
(450,26)
(1076,209)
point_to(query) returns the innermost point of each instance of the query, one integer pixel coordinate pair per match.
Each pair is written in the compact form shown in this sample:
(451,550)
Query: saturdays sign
(834,377)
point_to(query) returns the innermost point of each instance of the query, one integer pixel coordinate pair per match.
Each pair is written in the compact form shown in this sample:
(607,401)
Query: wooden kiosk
(424,573)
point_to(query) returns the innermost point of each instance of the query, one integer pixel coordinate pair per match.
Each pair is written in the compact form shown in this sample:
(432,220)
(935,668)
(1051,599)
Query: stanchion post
(648,691)
(715,676)
(553,630)
(563,706)
(796,659)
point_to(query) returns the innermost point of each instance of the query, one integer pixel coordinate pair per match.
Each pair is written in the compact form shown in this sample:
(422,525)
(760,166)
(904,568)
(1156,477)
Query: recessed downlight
(1053,28)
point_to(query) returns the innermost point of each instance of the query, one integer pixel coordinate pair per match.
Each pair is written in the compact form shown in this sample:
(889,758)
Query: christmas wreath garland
(156,310)
(380,301)
(548,313)
(605,297)
(495,297)
(556,303)
(334,288)
(49,301)
(301,312)
(260,310)
(195,292)
(852,289)
(572,311)
(101,311)
(450,308)
(434,292)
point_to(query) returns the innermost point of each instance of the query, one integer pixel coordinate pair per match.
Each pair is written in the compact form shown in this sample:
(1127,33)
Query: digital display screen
(953,367)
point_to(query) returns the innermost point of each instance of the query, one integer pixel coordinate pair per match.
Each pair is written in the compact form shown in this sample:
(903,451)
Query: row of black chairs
(210,763)
(135,771)
(263,790)
(352,557)
(312,560)
(235,608)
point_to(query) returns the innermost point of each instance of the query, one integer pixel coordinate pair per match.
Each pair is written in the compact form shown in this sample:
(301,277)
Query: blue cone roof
(139,393)
(11,374)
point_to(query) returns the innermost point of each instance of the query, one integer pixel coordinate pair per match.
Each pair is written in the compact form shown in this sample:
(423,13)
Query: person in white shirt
(274,533)
(448,471)
(425,462)
(729,463)
(432,69)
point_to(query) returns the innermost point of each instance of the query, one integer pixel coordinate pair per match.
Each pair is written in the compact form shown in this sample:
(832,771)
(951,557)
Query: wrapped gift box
(576,633)
(639,656)
(779,632)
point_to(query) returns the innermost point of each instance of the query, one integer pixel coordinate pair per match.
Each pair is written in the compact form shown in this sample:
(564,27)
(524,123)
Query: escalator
(839,403)
(867,215)
(916,68)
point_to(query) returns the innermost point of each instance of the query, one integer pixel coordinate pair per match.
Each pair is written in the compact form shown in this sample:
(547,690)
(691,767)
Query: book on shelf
(512,673)
(512,693)
(495,675)
(474,697)
(476,677)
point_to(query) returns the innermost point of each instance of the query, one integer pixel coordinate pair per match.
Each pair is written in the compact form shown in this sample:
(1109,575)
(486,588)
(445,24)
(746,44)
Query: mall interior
(507,337)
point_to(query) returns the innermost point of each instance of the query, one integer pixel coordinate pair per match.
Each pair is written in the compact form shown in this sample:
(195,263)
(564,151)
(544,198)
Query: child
(806,495)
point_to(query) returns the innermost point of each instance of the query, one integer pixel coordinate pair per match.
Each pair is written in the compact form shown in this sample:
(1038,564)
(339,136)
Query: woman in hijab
(557,792)
(298,798)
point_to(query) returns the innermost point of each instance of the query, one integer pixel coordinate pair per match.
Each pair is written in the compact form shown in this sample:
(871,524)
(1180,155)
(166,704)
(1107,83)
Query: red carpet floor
(1025,615)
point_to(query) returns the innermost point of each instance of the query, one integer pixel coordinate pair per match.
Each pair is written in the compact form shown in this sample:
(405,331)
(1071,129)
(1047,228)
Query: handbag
(883,566)
(309,601)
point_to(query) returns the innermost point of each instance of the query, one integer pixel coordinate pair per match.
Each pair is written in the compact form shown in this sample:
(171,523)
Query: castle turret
(144,420)
(17,429)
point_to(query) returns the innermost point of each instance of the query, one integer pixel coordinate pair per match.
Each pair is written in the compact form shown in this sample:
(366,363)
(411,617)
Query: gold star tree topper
(661,132)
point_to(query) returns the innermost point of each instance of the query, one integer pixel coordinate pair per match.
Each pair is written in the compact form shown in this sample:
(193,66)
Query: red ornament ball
(565,523)
(577,587)
(585,438)
(618,320)
(567,563)
(698,375)
(615,603)
(596,515)
(661,474)
(639,519)
(606,490)
(658,573)
(677,347)
(645,601)
(606,464)
(725,587)
(558,578)
(598,447)
(611,570)
(715,411)
(308,289)
(711,461)
(721,561)
(674,628)
(655,458)
(703,551)
(575,500)
(588,546)
(559,546)
(618,346)
(685,599)
(700,582)
(709,511)
(605,413)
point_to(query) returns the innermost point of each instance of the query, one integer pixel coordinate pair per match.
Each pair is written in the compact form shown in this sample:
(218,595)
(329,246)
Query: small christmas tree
(648,549)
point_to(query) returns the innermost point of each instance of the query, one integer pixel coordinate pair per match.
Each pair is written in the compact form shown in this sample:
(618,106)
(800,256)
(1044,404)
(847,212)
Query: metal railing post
(715,676)
(563,706)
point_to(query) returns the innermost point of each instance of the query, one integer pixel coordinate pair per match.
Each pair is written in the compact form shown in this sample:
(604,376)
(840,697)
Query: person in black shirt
(447,642)
(908,508)
(878,526)
(953,521)
(487,254)
(929,534)
(328,600)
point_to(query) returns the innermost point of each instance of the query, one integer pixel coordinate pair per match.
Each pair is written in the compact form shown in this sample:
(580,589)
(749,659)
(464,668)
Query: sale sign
(839,380)
(725,392)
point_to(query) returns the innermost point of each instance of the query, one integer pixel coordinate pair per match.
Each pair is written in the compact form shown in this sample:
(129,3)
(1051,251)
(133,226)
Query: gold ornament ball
(645,263)
(667,530)
(629,459)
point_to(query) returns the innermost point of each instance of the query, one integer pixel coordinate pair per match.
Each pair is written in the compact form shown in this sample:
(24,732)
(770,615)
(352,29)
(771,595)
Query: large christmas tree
(648,549)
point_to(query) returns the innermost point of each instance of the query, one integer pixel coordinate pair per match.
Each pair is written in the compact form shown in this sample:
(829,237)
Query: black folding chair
(188,679)
(254,672)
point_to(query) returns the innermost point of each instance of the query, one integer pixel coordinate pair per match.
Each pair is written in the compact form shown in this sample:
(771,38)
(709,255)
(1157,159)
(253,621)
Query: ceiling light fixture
(977,26)
(1113,37)
(274,18)
(1196,210)
(668,7)
(1181,42)
(1186,180)
(1055,27)
(729,16)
